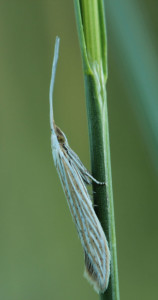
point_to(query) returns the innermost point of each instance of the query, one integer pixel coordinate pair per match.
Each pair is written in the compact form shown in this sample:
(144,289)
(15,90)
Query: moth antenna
(54,66)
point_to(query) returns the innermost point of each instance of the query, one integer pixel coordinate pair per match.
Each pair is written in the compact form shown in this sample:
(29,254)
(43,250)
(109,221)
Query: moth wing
(93,240)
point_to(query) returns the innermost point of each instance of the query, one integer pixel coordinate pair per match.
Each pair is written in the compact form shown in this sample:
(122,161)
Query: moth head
(60,136)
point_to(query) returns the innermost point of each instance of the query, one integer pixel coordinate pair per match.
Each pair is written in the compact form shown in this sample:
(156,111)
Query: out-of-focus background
(40,253)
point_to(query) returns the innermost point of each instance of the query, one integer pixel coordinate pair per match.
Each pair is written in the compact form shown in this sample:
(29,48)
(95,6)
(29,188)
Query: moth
(74,178)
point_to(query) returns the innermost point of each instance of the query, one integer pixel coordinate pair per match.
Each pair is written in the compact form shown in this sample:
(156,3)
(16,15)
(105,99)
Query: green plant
(92,36)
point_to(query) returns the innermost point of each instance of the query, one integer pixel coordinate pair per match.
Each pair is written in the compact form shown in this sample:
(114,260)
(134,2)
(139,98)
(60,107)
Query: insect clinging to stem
(74,177)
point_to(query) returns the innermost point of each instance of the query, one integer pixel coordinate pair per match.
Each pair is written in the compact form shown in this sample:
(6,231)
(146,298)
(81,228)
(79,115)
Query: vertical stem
(90,17)
(92,36)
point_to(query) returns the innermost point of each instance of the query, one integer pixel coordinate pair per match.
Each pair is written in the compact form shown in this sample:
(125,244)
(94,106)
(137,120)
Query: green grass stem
(92,36)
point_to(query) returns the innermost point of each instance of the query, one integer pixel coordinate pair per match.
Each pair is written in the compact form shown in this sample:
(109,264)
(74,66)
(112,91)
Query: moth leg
(87,177)
(93,179)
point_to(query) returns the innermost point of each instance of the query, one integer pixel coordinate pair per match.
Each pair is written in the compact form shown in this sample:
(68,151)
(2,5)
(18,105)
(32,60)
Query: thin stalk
(92,36)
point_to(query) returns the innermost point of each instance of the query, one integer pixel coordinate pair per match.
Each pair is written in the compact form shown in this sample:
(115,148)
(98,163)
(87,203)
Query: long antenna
(54,66)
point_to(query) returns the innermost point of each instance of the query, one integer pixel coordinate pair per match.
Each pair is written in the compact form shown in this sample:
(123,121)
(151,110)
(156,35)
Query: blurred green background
(40,253)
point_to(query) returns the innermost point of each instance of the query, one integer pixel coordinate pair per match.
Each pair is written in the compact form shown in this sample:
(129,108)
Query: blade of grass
(137,56)
(92,36)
